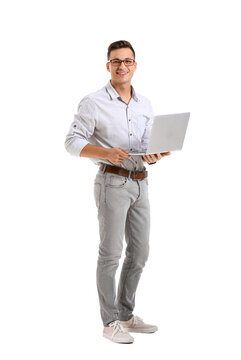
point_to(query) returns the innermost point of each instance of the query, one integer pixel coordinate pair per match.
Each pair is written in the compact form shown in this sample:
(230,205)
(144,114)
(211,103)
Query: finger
(150,158)
(125,155)
(121,159)
(147,158)
(153,158)
(124,152)
(158,156)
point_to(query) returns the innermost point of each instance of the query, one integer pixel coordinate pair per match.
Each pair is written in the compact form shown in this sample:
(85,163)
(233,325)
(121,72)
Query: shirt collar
(114,94)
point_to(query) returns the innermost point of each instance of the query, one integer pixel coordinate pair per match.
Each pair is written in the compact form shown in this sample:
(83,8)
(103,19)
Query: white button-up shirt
(104,119)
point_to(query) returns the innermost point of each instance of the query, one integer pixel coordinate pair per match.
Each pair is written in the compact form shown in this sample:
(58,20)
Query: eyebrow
(128,58)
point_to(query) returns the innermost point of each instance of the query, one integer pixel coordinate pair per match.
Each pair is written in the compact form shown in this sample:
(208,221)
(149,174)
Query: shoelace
(117,327)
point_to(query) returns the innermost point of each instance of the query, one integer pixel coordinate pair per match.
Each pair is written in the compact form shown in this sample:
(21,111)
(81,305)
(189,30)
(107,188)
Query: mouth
(122,73)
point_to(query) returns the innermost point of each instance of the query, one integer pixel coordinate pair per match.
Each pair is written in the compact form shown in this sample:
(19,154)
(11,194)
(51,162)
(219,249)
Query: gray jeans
(123,209)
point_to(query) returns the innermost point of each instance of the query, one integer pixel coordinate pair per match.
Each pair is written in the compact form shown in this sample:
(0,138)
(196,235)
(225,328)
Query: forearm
(93,151)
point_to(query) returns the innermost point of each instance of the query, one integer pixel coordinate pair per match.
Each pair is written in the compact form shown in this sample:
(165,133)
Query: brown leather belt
(134,175)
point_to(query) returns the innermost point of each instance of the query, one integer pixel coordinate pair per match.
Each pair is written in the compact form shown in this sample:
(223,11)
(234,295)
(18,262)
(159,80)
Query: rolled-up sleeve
(82,128)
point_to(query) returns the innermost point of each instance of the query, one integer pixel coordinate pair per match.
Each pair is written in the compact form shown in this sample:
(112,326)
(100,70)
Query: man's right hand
(117,155)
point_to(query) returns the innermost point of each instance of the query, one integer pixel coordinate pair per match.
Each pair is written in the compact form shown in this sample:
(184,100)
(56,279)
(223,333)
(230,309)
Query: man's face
(121,74)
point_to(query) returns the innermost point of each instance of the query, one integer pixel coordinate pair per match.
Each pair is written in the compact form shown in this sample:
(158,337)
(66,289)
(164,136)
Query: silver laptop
(167,133)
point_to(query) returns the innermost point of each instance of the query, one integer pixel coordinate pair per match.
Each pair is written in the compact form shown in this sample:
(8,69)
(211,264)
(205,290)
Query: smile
(122,73)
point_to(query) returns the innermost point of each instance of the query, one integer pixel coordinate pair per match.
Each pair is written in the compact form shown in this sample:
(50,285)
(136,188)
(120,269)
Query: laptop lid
(167,133)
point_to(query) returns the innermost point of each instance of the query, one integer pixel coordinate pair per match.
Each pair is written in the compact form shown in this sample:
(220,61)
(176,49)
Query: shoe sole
(143,331)
(120,341)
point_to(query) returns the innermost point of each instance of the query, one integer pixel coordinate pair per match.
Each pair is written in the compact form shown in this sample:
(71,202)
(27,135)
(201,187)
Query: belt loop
(134,174)
(129,175)
(104,168)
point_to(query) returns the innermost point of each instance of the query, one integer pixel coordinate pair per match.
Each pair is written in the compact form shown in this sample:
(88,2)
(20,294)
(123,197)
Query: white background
(53,54)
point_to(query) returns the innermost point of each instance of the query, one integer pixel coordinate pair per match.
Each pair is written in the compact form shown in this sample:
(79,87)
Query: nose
(122,65)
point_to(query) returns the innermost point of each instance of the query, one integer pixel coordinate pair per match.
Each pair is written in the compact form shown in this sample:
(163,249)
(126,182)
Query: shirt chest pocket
(138,124)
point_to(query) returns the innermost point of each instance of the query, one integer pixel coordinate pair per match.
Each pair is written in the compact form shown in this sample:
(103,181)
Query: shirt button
(130,134)
(129,119)
(131,149)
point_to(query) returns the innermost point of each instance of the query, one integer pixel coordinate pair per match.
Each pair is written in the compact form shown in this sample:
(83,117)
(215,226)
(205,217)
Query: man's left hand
(154,157)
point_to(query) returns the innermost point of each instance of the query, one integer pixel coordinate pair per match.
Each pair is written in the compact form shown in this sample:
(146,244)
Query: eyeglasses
(117,62)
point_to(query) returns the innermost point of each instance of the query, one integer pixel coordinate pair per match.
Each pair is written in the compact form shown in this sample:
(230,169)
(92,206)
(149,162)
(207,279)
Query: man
(110,123)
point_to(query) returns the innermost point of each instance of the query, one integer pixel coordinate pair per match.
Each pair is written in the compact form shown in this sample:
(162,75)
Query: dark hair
(118,45)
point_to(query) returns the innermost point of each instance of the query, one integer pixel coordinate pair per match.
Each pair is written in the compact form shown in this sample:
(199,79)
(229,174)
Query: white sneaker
(136,324)
(115,332)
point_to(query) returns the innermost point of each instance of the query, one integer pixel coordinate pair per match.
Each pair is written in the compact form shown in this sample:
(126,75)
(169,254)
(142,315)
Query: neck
(124,90)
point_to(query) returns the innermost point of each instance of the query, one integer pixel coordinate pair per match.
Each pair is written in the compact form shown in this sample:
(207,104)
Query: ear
(108,66)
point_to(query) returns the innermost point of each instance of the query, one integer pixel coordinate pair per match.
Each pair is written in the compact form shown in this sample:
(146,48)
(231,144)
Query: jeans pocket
(115,181)
(97,193)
